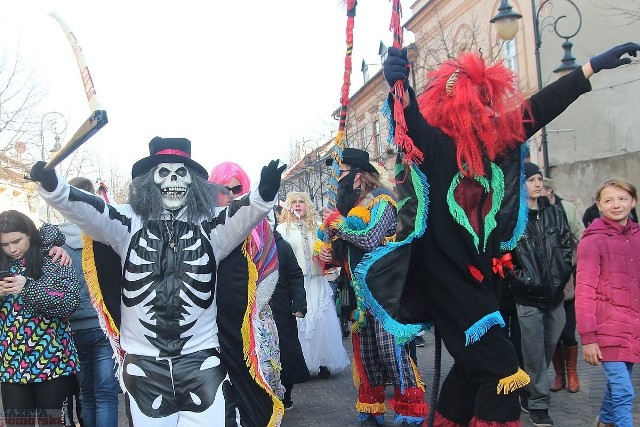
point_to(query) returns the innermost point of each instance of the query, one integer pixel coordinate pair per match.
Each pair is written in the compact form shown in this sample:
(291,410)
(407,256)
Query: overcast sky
(241,79)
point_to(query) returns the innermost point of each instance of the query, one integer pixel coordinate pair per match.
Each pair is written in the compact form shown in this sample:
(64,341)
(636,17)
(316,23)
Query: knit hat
(531,169)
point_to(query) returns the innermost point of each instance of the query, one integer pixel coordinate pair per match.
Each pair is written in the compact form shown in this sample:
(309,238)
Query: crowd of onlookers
(566,271)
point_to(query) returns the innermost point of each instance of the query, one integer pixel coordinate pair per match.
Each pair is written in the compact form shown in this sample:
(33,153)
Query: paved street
(330,403)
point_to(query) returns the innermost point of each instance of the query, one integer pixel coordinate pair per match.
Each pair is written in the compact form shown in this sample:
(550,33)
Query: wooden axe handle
(92,125)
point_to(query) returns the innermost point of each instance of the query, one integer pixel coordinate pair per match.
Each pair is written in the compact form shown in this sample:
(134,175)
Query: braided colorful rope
(332,192)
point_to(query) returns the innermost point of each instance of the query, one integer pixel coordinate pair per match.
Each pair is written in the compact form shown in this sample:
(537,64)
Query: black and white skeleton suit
(172,372)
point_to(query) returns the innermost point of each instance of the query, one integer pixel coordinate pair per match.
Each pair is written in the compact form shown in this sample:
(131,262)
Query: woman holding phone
(38,358)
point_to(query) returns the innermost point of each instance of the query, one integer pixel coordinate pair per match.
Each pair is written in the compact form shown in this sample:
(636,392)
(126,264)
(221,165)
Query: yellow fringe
(380,198)
(340,137)
(247,326)
(416,374)
(355,373)
(513,382)
(91,277)
(371,408)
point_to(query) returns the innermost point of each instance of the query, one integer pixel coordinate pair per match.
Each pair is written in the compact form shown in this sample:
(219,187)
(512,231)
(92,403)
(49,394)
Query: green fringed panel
(490,223)
(458,213)
(402,202)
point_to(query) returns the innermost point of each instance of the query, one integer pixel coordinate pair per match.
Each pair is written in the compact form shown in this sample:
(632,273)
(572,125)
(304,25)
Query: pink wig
(478,106)
(225,172)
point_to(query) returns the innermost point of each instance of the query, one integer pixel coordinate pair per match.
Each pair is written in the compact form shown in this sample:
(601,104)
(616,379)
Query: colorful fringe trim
(359,377)
(458,213)
(371,400)
(477,422)
(523,209)
(475,332)
(249,343)
(441,421)
(106,321)
(409,405)
(402,332)
(513,382)
(416,374)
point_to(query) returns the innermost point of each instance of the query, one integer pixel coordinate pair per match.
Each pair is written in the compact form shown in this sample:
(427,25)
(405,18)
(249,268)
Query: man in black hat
(170,242)
(364,222)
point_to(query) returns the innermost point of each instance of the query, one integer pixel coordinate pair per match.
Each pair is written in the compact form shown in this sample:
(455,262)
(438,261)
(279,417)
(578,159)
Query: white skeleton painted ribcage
(169,288)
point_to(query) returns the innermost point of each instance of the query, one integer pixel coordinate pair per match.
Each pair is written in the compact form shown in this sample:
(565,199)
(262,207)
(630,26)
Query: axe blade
(92,125)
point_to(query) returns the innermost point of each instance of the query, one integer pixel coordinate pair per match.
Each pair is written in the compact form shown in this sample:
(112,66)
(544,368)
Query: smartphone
(4,274)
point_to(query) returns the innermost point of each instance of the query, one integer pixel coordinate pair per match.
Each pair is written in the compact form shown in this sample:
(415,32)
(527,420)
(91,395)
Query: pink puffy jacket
(608,289)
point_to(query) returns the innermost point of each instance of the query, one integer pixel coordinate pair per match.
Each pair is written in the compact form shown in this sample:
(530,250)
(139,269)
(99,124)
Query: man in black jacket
(543,265)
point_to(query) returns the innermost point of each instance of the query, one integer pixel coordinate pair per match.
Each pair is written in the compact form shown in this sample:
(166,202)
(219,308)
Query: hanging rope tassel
(410,153)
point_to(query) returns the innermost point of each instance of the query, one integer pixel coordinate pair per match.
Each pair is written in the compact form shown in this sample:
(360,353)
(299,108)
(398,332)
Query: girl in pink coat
(608,297)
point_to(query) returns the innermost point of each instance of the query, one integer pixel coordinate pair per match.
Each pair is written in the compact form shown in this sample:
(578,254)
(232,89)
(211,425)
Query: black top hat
(356,158)
(167,150)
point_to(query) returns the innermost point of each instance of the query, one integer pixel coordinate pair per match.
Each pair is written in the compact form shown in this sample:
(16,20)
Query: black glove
(47,179)
(396,66)
(270,178)
(611,58)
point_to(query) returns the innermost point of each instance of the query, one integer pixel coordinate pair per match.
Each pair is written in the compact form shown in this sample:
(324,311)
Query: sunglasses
(235,190)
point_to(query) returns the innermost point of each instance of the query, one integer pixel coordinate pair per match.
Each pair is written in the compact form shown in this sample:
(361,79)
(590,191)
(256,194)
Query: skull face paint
(174,180)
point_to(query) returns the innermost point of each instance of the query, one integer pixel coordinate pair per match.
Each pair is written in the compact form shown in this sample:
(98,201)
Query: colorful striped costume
(366,230)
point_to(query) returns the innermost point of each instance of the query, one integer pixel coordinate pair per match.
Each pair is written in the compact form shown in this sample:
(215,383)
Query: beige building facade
(597,137)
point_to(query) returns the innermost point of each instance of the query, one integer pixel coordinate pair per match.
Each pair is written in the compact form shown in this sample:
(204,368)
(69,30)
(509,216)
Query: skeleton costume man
(170,241)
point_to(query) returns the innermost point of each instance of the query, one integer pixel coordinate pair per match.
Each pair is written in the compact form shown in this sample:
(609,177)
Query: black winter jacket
(542,258)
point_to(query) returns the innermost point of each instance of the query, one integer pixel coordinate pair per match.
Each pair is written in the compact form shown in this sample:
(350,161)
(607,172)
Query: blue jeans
(98,383)
(618,397)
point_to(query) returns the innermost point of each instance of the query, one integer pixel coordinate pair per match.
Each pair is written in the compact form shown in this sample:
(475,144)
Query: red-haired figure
(463,209)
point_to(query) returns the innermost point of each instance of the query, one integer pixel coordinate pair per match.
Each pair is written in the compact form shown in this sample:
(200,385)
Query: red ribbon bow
(500,263)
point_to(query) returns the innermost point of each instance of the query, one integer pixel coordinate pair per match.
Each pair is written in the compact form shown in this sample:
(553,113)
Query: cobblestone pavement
(330,403)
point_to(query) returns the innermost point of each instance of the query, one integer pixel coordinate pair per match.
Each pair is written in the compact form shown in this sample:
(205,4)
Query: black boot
(324,372)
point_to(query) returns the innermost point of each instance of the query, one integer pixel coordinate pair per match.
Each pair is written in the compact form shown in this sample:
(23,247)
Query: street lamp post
(506,21)
(57,124)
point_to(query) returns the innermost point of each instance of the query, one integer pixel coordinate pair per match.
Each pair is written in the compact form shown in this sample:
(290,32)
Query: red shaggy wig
(481,110)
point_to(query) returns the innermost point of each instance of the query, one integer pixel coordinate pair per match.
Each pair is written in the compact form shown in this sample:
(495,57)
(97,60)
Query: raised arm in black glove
(47,179)
(396,66)
(270,178)
(612,57)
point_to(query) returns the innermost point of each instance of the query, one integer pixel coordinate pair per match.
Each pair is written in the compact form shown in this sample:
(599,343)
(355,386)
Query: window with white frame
(376,135)
(364,138)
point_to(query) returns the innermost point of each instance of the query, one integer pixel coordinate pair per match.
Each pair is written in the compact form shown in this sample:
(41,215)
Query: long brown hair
(12,221)
(369,182)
